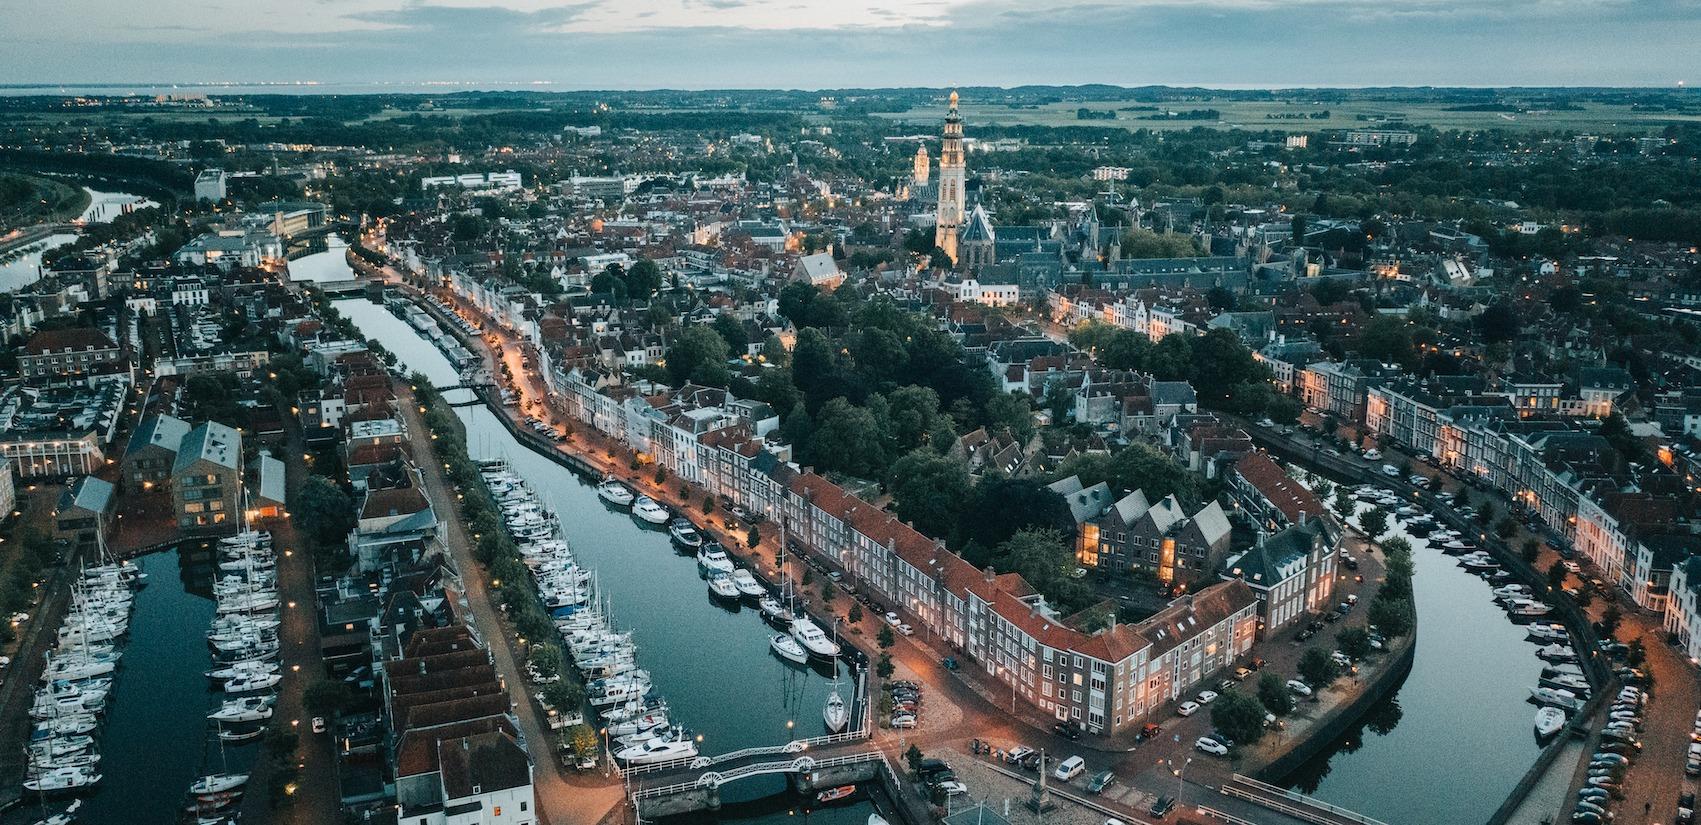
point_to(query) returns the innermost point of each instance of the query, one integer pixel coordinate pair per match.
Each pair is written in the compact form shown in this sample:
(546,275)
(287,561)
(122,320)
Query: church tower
(951,177)
(922,166)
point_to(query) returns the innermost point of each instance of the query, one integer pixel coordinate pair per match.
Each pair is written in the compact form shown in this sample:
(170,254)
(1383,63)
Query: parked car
(1372,454)
(1100,781)
(1206,697)
(1069,769)
(1161,807)
(1211,746)
(1299,687)
(1187,709)
(1390,471)
(1148,731)
(1067,730)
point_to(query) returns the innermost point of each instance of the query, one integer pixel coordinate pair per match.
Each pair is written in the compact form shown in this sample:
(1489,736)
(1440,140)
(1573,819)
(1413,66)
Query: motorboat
(217,783)
(82,759)
(787,648)
(713,557)
(685,535)
(253,684)
(61,780)
(1549,721)
(835,794)
(247,709)
(237,736)
(1548,633)
(1511,591)
(1566,681)
(677,745)
(242,669)
(776,613)
(65,817)
(75,724)
(1555,697)
(720,584)
(1557,653)
(747,584)
(808,634)
(1528,609)
(61,746)
(650,510)
(835,714)
(638,724)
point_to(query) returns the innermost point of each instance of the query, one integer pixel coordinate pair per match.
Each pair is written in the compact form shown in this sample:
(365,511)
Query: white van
(1390,471)
(1069,769)
(1372,454)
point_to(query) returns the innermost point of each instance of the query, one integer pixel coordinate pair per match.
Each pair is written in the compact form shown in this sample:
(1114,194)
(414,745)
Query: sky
(808,44)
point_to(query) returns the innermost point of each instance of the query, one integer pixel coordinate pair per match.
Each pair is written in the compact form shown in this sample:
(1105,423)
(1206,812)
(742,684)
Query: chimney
(990,574)
(1302,518)
(1260,538)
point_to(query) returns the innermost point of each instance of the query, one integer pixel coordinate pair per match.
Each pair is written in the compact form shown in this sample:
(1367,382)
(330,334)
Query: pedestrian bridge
(696,786)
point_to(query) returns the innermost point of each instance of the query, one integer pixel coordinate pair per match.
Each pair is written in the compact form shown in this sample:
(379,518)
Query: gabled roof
(482,763)
(211,441)
(1283,492)
(164,431)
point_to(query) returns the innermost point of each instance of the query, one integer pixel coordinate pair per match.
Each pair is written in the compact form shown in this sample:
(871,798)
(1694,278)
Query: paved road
(317,797)
(585,799)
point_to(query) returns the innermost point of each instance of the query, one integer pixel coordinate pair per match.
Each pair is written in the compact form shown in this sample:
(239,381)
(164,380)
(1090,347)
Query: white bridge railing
(714,779)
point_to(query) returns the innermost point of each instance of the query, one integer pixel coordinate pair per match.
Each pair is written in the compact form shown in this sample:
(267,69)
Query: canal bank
(710,660)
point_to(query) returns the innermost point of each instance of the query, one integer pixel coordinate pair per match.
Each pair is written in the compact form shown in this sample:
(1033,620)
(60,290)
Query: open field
(1291,116)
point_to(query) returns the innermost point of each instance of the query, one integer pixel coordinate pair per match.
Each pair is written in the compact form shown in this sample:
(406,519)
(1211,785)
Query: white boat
(1549,721)
(1554,697)
(1527,609)
(720,584)
(65,817)
(775,612)
(1557,653)
(835,714)
(1547,633)
(876,819)
(813,640)
(253,684)
(714,557)
(651,751)
(685,534)
(248,709)
(75,724)
(788,648)
(61,779)
(242,670)
(747,584)
(217,783)
(61,746)
(649,510)
(1567,681)
(638,724)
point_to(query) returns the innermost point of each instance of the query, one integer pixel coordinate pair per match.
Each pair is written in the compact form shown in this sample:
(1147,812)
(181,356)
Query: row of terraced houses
(1105,676)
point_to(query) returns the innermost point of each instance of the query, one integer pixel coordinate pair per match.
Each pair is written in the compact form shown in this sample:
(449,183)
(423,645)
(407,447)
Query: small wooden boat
(842,792)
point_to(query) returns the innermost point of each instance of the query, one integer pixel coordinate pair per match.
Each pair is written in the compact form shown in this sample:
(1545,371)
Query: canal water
(104,206)
(156,738)
(22,270)
(712,663)
(1451,742)
(328,264)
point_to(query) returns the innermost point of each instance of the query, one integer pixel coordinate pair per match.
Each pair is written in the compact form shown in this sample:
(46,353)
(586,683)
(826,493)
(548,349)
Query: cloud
(837,43)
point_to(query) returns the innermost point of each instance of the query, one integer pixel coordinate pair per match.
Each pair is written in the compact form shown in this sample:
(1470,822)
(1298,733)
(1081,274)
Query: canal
(24,268)
(712,663)
(156,738)
(1448,744)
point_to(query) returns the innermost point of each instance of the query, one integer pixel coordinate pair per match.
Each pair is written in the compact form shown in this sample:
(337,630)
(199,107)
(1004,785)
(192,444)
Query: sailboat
(787,648)
(835,714)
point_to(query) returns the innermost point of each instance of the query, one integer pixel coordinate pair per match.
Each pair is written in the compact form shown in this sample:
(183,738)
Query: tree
(1274,694)
(699,354)
(643,279)
(855,614)
(546,661)
(913,757)
(1531,551)
(1343,501)
(1012,411)
(1388,338)
(1392,616)
(827,592)
(565,697)
(930,491)
(1298,230)
(1485,516)
(1046,560)
(1239,716)
(731,330)
(752,537)
(1317,668)
(1611,617)
(1556,575)
(885,638)
(844,441)
(884,668)
(326,697)
(708,504)
(911,413)
(1506,527)
(1374,522)
(1354,641)
(1000,507)
(326,510)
